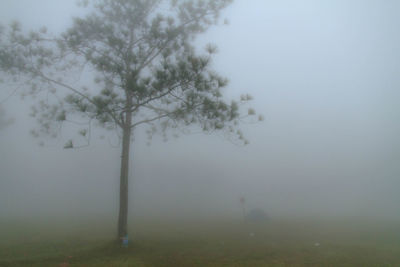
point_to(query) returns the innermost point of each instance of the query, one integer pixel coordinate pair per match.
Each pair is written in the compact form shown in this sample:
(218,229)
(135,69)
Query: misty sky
(325,75)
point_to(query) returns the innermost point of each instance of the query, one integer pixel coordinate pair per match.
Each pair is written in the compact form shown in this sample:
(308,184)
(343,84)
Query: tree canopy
(145,67)
(142,59)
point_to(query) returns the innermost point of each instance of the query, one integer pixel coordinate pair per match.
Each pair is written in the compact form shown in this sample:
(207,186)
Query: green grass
(225,243)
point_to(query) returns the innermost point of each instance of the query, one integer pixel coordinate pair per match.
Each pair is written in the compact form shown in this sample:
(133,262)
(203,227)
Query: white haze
(325,74)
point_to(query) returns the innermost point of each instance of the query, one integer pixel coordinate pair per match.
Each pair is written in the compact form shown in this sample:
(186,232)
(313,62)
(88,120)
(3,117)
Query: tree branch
(78,93)
(152,119)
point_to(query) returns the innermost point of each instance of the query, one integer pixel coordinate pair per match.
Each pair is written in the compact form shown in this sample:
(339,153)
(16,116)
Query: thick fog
(325,75)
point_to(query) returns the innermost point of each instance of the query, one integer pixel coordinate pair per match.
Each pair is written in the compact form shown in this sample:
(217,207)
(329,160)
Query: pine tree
(145,66)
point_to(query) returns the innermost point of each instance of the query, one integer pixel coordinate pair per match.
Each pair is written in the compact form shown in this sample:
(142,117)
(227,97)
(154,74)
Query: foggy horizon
(323,74)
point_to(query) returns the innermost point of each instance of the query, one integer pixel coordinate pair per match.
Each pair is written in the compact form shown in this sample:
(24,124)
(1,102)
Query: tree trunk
(123,191)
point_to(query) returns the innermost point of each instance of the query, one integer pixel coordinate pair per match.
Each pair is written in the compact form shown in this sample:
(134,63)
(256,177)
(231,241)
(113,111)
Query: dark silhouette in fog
(257,215)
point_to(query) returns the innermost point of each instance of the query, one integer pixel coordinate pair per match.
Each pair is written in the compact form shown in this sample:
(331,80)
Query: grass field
(283,242)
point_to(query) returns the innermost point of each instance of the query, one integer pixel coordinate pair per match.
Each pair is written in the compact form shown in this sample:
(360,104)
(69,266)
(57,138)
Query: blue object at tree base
(125,241)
